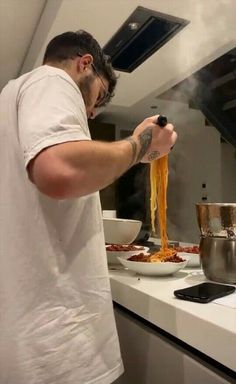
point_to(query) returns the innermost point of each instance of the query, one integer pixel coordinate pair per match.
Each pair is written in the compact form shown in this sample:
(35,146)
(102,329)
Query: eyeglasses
(103,100)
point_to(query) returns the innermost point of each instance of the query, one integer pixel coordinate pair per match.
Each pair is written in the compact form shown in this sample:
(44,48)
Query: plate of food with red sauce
(126,250)
(154,264)
(191,253)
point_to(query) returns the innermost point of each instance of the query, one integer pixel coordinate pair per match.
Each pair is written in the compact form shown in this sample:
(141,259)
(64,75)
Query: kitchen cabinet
(152,358)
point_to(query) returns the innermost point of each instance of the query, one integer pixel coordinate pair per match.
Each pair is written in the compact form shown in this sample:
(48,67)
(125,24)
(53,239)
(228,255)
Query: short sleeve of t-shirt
(51,111)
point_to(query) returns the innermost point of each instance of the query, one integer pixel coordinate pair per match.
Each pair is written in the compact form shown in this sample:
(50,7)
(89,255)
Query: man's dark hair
(68,45)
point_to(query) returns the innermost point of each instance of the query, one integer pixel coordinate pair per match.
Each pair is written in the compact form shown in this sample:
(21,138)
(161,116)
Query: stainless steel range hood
(142,34)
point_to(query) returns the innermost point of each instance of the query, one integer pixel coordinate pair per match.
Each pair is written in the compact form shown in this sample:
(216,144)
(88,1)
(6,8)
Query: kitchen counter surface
(209,328)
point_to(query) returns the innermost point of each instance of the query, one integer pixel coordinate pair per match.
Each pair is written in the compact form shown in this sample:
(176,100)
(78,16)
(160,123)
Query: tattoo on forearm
(145,140)
(153,155)
(134,148)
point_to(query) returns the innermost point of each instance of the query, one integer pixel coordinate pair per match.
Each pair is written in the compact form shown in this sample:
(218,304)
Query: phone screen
(204,292)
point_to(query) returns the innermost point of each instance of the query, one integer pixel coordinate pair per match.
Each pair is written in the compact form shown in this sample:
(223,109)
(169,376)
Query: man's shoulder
(44,73)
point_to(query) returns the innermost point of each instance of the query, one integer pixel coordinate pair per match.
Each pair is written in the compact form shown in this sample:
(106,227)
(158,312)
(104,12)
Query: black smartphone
(204,292)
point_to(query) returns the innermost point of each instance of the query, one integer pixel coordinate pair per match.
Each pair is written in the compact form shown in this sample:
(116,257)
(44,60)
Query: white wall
(196,159)
(228,173)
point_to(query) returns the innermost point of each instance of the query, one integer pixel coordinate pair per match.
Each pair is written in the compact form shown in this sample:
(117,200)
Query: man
(56,316)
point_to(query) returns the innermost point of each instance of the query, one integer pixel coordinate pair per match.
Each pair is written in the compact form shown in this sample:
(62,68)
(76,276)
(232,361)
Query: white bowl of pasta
(124,251)
(158,268)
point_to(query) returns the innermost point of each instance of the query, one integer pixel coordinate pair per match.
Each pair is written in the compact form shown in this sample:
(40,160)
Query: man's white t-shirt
(56,316)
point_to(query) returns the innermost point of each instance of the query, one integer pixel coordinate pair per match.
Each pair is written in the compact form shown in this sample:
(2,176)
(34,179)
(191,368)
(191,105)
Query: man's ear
(84,62)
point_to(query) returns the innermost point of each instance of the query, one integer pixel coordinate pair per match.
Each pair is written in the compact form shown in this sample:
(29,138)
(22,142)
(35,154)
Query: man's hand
(155,141)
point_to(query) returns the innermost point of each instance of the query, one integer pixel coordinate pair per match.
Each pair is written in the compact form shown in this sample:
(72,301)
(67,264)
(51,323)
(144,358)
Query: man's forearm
(98,164)
(140,149)
(82,167)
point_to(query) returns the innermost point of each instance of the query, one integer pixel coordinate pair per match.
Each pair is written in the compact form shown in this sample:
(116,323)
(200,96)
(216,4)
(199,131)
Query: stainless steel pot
(218,259)
(217,219)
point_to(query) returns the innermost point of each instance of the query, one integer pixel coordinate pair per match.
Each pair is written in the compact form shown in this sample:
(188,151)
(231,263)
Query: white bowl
(153,269)
(112,256)
(120,231)
(193,259)
(109,213)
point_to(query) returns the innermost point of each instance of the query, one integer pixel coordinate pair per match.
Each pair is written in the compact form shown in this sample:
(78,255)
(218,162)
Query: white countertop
(209,328)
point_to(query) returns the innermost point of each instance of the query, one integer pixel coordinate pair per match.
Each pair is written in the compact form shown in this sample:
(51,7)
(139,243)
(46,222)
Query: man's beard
(85,88)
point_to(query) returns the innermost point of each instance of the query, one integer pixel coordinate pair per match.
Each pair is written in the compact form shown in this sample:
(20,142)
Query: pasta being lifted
(158,203)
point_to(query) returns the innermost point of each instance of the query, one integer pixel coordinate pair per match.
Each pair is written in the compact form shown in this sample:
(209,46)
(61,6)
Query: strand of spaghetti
(162,200)
(153,198)
(159,183)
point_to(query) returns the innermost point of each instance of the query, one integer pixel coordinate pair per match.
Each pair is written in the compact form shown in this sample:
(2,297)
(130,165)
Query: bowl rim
(122,220)
(154,264)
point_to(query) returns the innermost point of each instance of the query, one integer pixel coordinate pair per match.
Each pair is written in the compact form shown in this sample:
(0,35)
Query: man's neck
(67,66)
